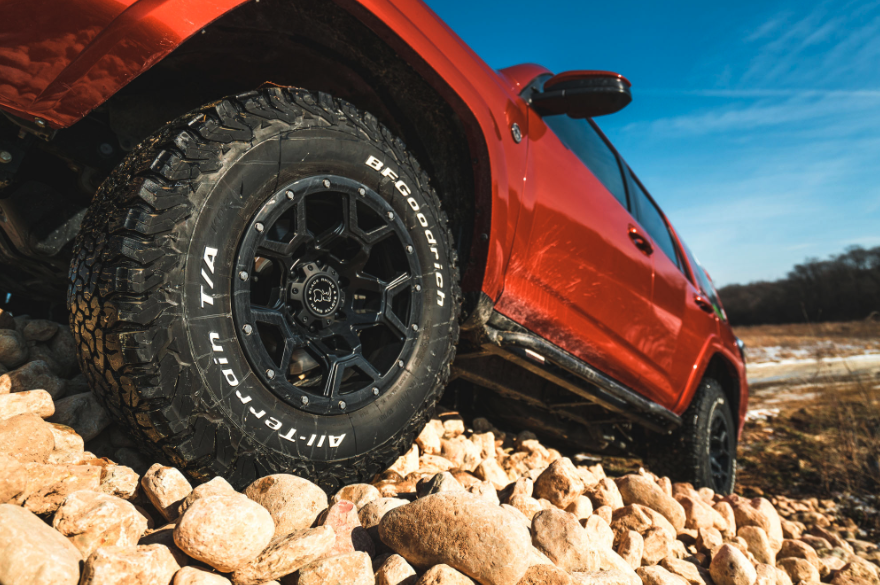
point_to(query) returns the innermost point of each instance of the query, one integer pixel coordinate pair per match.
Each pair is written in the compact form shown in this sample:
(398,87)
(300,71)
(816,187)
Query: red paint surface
(560,259)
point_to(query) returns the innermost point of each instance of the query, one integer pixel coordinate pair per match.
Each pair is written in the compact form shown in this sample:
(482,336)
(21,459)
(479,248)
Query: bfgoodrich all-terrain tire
(703,450)
(268,285)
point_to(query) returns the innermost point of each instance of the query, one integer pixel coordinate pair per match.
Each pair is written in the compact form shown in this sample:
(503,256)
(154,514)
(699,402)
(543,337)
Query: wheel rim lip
(720,454)
(257,356)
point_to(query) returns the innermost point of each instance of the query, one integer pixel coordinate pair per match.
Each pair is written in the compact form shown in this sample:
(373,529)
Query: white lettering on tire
(209,257)
(401,186)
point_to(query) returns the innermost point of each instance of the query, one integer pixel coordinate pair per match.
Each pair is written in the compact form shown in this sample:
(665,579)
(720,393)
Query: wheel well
(723,372)
(324,47)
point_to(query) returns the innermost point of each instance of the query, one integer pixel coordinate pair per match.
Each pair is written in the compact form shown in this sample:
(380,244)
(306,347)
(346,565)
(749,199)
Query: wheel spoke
(276,318)
(398,284)
(284,250)
(329,236)
(394,287)
(368,283)
(385,315)
(268,315)
(338,368)
(378,234)
(343,331)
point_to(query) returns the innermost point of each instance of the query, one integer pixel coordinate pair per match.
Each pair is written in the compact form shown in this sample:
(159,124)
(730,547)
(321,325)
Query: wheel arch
(344,50)
(724,372)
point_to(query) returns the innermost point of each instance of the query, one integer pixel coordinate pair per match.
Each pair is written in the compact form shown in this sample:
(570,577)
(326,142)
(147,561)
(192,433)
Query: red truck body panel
(559,261)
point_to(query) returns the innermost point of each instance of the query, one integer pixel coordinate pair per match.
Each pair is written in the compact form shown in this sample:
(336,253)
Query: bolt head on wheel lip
(318,300)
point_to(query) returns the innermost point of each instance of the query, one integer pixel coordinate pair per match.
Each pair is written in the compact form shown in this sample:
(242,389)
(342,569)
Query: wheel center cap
(321,295)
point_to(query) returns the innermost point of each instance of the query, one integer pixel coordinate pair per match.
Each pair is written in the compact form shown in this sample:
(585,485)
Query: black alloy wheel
(720,456)
(327,294)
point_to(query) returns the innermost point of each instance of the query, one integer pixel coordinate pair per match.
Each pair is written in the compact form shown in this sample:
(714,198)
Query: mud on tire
(161,294)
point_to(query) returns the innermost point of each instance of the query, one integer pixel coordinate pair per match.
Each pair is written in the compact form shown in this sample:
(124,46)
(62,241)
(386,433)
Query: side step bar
(552,363)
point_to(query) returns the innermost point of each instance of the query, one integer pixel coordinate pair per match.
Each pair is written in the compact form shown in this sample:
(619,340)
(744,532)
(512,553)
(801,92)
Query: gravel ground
(469,503)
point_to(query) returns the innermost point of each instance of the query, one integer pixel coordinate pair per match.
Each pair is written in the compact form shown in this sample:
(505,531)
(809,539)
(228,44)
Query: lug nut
(247,329)
(400,363)
(289,194)
(270,374)
(304,400)
(326,183)
(409,249)
(415,327)
(362,191)
(342,405)
(243,275)
(390,215)
(5,157)
(418,287)
(259,227)
(375,391)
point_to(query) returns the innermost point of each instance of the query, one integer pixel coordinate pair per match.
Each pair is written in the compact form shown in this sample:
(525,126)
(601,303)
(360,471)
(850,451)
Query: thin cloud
(830,109)
(828,44)
(761,93)
(768,27)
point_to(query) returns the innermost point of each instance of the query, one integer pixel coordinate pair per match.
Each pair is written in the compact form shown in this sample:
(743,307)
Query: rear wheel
(268,285)
(703,450)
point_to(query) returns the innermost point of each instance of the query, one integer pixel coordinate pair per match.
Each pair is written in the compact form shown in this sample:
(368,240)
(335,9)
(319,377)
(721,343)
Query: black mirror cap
(583,94)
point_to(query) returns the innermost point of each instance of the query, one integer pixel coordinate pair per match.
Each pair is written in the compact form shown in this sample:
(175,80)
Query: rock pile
(463,506)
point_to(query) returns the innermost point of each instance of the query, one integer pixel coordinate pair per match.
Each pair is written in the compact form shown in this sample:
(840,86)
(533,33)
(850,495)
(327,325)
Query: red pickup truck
(266,278)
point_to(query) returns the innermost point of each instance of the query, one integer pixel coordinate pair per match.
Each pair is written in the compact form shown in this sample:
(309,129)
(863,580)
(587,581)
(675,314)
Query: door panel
(670,288)
(575,276)
(698,329)
(681,327)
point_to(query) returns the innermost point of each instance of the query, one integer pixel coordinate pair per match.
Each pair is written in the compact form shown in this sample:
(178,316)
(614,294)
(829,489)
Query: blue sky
(755,125)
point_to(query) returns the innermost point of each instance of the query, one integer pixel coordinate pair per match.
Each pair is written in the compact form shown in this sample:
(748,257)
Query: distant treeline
(845,287)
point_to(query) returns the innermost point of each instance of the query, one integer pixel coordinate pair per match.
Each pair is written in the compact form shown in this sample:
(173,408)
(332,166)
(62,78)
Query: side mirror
(583,94)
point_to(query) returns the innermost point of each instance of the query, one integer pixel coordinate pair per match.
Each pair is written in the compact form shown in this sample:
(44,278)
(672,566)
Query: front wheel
(268,285)
(703,450)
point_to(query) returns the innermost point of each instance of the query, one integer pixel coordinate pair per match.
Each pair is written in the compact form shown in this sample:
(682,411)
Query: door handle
(640,241)
(703,303)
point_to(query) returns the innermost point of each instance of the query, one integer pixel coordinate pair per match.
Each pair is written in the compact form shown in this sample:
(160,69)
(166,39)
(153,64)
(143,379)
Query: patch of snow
(865,357)
(791,397)
(762,414)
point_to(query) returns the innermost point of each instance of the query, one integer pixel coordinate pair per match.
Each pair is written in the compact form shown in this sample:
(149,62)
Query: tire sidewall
(252,172)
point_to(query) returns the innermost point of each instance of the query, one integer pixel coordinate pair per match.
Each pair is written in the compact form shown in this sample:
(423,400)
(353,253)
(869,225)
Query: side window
(583,140)
(651,219)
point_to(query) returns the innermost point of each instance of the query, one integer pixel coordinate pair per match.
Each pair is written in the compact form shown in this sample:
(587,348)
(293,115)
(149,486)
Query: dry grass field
(809,340)
(815,437)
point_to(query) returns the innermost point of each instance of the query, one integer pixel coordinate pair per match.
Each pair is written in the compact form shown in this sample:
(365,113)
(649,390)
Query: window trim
(673,236)
(621,164)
